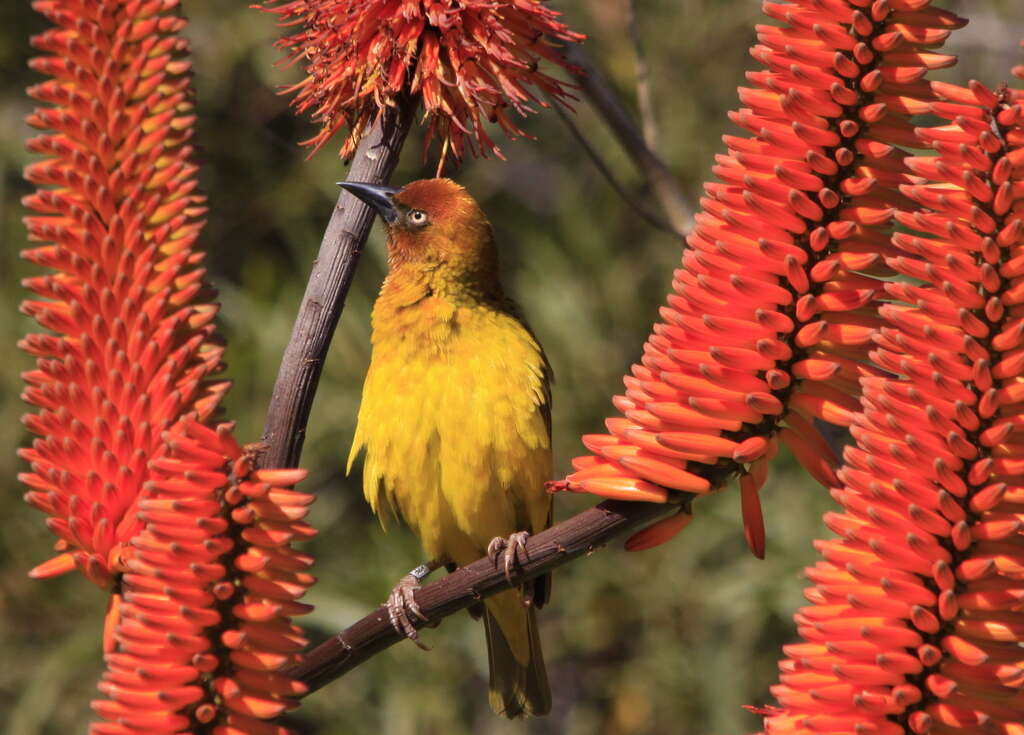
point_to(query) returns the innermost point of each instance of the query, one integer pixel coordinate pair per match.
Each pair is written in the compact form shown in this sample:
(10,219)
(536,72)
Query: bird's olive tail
(519,684)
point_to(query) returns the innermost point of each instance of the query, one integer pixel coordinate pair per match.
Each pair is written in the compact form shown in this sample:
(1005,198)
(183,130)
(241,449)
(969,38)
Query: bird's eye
(418,217)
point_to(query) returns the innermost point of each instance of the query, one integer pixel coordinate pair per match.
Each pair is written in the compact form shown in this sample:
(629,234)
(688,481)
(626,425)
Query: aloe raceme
(770,318)
(147,493)
(132,349)
(210,587)
(915,617)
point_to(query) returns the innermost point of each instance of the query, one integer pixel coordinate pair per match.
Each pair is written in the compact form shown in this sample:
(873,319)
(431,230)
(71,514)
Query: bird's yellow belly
(456,442)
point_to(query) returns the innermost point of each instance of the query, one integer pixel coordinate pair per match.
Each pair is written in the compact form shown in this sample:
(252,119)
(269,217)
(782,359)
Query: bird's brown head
(431,221)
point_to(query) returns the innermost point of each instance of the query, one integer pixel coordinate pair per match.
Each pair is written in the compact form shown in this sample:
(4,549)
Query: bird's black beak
(378,197)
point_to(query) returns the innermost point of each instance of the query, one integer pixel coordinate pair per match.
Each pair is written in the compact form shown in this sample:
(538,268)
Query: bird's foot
(511,550)
(402,601)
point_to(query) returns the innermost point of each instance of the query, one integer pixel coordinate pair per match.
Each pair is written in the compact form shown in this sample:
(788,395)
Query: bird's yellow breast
(453,419)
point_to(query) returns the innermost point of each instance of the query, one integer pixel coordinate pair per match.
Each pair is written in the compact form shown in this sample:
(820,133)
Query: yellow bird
(455,418)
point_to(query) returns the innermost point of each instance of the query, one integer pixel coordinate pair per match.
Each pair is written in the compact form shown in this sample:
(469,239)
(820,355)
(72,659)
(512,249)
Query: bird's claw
(513,549)
(401,602)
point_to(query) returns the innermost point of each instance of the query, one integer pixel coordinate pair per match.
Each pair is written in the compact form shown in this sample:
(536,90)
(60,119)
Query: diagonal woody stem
(563,542)
(644,95)
(598,91)
(653,218)
(329,282)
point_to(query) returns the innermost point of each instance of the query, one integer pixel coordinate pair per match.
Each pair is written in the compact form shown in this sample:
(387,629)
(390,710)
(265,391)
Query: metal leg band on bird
(402,601)
(462,459)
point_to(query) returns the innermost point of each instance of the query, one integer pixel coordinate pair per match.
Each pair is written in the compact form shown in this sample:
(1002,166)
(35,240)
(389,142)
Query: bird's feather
(455,418)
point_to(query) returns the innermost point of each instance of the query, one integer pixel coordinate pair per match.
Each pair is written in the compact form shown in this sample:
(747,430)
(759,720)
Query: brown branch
(329,282)
(598,91)
(574,537)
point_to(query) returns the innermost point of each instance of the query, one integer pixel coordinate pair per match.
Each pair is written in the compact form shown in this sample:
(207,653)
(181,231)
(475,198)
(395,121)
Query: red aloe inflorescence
(205,623)
(132,348)
(769,322)
(468,61)
(918,609)
(145,492)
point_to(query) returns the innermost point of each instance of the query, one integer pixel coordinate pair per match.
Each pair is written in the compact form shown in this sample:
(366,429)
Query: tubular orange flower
(917,611)
(771,314)
(145,496)
(211,585)
(469,61)
(132,344)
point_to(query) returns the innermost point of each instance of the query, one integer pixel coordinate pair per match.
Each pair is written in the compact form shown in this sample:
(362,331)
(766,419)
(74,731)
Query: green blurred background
(673,640)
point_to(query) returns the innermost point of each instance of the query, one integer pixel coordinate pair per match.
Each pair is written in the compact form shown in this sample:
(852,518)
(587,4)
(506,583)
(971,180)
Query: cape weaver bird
(455,418)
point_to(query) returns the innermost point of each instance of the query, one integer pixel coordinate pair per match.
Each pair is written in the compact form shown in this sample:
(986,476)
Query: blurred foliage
(672,640)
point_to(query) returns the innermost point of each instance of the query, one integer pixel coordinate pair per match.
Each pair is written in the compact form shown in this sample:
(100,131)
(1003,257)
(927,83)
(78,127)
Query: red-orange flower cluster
(771,314)
(143,494)
(916,616)
(469,61)
(211,585)
(132,344)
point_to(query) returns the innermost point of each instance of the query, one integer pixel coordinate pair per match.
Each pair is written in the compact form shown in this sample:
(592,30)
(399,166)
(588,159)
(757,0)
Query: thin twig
(329,282)
(598,91)
(644,95)
(652,217)
(579,535)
